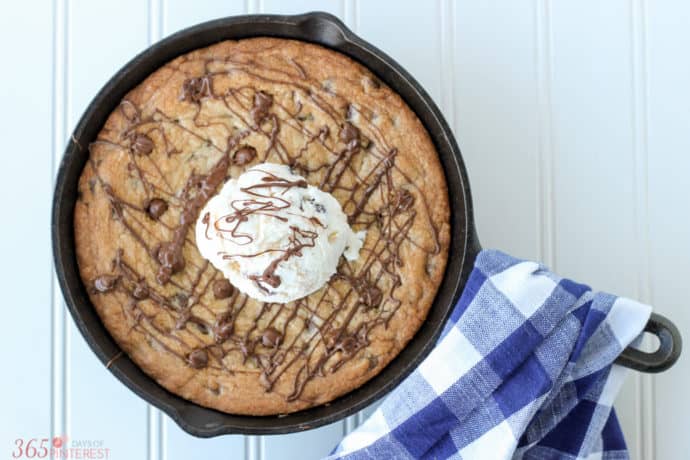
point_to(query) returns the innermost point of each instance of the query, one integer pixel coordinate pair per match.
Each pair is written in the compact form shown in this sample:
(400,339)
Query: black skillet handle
(670,340)
(670,345)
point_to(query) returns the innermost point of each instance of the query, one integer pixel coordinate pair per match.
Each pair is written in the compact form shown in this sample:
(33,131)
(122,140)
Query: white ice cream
(269,217)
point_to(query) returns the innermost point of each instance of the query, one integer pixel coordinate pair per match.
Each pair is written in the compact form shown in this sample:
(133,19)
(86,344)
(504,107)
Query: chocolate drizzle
(266,204)
(299,240)
(326,329)
(196,192)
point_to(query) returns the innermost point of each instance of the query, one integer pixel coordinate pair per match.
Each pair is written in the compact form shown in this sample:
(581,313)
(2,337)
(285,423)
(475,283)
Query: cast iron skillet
(328,31)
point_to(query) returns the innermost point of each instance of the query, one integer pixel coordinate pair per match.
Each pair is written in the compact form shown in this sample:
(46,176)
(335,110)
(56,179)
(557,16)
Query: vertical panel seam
(351,10)
(538,100)
(355,15)
(252,6)
(350,14)
(247,439)
(53,297)
(67,325)
(453,38)
(57,357)
(546,157)
(451,61)
(60,116)
(640,120)
(634,65)
(446,69)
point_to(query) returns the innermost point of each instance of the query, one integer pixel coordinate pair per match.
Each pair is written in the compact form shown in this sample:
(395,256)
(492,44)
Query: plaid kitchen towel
(523,369)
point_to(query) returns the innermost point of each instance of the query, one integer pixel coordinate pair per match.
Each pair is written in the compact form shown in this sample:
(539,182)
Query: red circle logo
(57,442)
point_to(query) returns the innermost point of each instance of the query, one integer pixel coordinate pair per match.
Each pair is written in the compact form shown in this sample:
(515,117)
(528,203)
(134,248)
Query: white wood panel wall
(573,119)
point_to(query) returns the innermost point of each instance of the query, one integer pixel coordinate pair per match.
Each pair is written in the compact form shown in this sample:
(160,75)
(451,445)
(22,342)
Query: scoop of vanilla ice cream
(275,237)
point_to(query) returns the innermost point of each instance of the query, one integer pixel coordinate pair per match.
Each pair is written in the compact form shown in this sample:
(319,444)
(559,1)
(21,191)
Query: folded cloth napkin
(524,369)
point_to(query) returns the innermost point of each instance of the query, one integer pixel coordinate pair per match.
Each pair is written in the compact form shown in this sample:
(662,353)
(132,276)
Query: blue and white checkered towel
(523,370)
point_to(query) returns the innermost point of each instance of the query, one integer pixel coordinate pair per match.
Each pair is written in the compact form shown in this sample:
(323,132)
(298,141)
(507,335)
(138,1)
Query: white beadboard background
(573,119)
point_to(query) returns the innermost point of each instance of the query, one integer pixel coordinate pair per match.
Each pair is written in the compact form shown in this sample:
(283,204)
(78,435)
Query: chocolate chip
(380,218)
(347,344)
(329,338)
(164,274)
(362,334)
(265,381)
(349,133)
(156,208)
(198,359)
(170,257)
(405,200)
(140,291)
(142,144)
(371,296)
(348,111)
(105,283)
(115,210)
(271,338)
(181,301)
(223,331)
(247,348)
(259,112)
(214,388)
(263,100)
(182,320)
(222,289)
(305,117)
(195,89)
(244,155)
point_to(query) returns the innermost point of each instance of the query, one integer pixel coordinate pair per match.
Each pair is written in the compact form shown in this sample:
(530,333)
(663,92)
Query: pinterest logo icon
(59,441)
